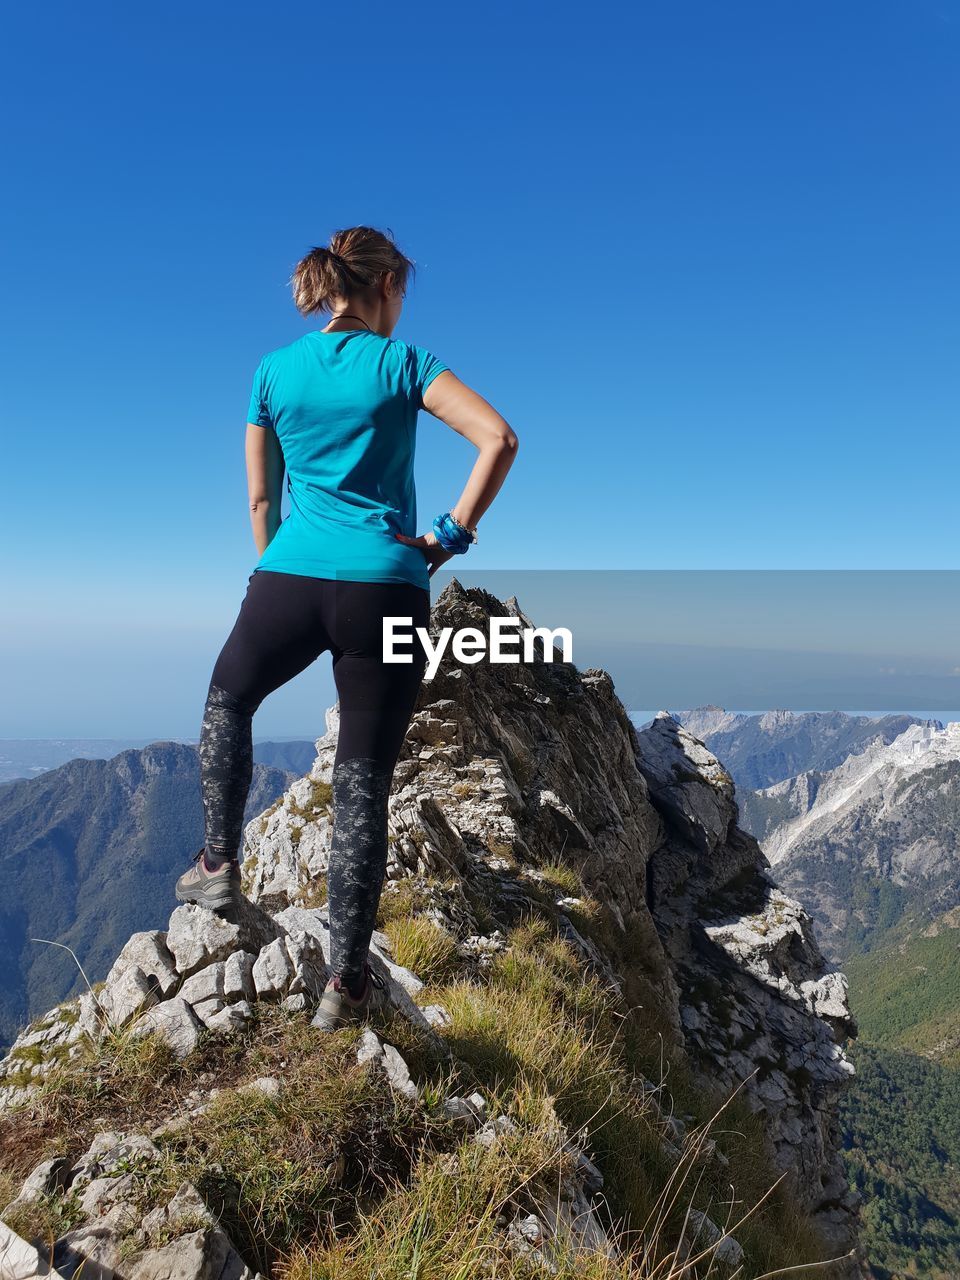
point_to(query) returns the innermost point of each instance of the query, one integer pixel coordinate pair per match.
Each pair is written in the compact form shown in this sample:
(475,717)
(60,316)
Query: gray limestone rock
(175,1021)
(436,1015)
(131,993)
(388,1059)
(231,1018)
(238,981)
(703,1233)
(88,1251)
(369,1048)
(272,970)
(268,1086)
(148,952)
(204,990)
(460,1109)
(206,1254)
(197,937)
(310,971)
(48,1177)
(398,1073)
(187,1206)
(688,781)
(20,1260)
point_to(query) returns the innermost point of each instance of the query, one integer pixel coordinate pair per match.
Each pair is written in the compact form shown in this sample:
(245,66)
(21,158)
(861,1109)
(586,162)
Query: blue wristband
(451,536)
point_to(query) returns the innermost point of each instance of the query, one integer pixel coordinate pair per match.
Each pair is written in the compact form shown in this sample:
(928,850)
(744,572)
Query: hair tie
(344,264)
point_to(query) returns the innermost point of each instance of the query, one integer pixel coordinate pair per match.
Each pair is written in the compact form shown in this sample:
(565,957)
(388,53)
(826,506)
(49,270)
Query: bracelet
(466,528)
(451,534)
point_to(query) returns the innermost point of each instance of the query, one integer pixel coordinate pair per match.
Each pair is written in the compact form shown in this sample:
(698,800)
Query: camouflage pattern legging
(285,622)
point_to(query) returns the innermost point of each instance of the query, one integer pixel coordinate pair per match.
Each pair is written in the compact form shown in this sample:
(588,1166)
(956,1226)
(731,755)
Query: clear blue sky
(702,256)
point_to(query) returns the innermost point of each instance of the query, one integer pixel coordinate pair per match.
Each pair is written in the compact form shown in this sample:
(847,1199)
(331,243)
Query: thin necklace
(350,315)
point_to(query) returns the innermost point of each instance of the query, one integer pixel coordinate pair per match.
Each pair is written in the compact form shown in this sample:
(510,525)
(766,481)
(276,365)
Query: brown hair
(356,259)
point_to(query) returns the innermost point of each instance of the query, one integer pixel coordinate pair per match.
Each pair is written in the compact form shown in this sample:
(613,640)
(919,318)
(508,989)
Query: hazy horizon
(769,381)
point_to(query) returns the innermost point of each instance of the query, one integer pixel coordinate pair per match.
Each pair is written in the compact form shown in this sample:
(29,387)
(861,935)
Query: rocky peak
(771,721)
(524,765)
(708,719)
(508,769)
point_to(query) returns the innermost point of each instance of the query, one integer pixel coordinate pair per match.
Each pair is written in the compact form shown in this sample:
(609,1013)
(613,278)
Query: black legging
(285,622)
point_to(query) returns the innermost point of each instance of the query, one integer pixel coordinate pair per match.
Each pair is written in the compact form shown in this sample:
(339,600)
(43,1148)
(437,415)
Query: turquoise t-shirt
(344,408)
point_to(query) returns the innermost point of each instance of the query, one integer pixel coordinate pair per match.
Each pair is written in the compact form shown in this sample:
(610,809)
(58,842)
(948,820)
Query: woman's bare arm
(467,413)
(265,471)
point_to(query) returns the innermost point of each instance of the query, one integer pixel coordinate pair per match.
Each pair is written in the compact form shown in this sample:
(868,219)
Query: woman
(337,409)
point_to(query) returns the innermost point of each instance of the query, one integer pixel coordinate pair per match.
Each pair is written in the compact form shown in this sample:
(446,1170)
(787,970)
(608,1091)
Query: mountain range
(871,840)
(22,758)
(759,750)
(89,852)
(594,985)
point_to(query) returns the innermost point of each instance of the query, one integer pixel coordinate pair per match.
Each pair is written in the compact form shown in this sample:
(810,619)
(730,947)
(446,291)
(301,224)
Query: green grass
(443,1225)
(563,878)
(429,950)
(907,995)
(45,1218)
(276,1171)
(338,1175)
(400,900)
(544,1034)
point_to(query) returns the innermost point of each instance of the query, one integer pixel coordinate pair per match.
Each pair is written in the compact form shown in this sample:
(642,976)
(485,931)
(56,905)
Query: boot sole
(206,898)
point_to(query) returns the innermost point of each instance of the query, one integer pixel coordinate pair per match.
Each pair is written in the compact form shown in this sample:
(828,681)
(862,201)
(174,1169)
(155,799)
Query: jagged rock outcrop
(759,1005)
(213,968)
(526,765)
(203,971)
(107,1182)
(506,770)
(502,766)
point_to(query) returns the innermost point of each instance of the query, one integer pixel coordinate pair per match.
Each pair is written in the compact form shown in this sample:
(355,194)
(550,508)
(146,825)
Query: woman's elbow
(506,440)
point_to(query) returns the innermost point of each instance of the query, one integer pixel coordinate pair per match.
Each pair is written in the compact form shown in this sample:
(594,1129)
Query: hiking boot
(213,889)
(337,1006)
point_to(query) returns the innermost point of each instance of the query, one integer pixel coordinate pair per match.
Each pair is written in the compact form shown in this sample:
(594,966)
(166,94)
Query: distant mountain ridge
(89,852)
(24,758)
(874,839)
(816,799)
(867,844)
(295,756)
(759,750)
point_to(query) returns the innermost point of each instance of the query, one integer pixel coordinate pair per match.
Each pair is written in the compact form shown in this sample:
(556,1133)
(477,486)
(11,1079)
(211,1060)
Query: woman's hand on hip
(431,548)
